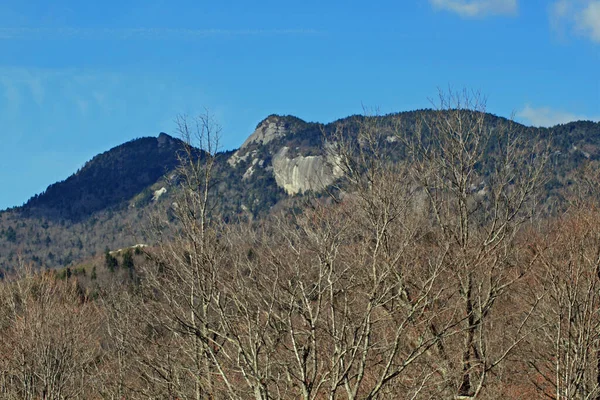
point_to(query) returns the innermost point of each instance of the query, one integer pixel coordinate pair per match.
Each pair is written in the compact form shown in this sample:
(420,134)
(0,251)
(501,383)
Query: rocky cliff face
(294,172)
(301,174)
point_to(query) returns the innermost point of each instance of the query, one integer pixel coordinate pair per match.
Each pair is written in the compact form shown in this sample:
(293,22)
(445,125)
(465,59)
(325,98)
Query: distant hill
(106,203)
(108,180)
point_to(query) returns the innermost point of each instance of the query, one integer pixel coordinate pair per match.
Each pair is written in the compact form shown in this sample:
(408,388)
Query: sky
(80,77)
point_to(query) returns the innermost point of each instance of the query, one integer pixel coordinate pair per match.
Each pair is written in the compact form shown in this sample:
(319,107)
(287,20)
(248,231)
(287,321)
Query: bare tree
(184,276)
(388,214)
(49,338)
(564,355)
(479,179)
(127,346)
(393,289)
(325,304)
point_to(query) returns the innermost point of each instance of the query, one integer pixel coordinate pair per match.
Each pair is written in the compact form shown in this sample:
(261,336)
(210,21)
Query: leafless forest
(440,276)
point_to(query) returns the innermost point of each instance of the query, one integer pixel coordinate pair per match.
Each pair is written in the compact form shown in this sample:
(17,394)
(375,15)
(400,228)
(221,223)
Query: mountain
(294,152)
(108,180)
(101,205)
(107,203)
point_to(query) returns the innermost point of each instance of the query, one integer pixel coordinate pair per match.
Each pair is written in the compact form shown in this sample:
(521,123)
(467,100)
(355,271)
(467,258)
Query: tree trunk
(465,387)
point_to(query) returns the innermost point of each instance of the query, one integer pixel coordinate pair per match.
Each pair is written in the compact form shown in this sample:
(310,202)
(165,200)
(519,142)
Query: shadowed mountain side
(108,180)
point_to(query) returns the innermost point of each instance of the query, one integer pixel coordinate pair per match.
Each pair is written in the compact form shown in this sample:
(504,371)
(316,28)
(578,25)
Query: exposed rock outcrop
(158,193)
(300,174)
(271,128)
(293,172)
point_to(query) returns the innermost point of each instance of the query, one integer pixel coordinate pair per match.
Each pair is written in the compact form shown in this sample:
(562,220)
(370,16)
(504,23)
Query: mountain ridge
(71,197)
(287,120)
(106,203)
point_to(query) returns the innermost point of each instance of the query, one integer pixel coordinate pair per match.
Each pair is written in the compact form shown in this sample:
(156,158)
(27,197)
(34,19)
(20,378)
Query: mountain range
(107,203)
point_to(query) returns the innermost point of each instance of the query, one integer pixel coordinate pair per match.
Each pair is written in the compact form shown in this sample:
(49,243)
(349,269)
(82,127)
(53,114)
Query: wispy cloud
(545,116)
(66,99)
(142,33)
(477,8)
(24,88)
(16,86)
(580,16)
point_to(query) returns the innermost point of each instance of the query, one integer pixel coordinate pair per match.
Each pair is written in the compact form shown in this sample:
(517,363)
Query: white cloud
(477,8)
(560,8)
(589,20)
(580,16)
(545,116)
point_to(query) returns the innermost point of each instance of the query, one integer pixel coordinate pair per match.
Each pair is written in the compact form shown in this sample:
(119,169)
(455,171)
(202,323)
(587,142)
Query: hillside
(107,203)
(108,180)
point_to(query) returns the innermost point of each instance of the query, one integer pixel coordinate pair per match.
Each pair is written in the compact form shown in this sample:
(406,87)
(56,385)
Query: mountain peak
(110,179)
(271,128)
(280,119)
(163,137)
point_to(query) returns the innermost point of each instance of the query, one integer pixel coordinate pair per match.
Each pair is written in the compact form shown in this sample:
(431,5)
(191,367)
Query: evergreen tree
(11,234)
(128,260)
(110,261)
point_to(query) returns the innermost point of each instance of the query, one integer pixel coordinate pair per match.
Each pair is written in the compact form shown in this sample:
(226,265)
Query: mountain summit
(109,179)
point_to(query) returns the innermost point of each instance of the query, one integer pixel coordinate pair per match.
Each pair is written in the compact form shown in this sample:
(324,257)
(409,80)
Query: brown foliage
(417,279)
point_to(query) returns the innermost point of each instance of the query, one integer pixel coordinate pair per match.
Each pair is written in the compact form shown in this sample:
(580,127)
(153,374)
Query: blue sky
(77,78)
